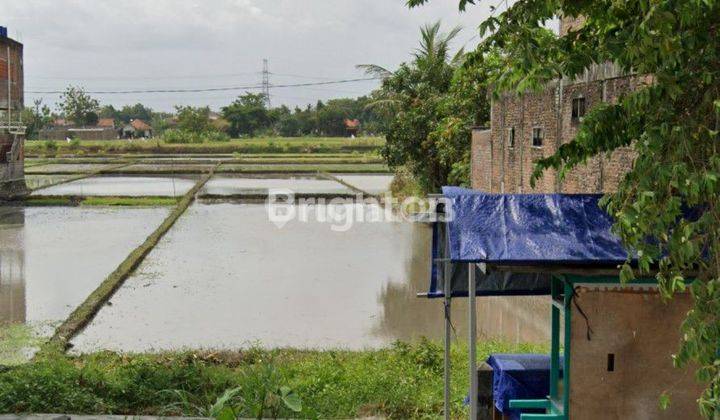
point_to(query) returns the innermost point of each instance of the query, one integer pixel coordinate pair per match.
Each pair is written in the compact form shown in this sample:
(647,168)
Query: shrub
(214,136)
(180,137)
(50,146)
(74,144)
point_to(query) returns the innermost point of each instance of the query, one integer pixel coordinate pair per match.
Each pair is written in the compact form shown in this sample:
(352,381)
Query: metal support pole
(446,404)
(472,336)
(447,290)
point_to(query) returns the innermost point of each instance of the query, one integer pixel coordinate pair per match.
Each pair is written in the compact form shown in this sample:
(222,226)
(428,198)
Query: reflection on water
(52,258)
(225,277)
(12,266)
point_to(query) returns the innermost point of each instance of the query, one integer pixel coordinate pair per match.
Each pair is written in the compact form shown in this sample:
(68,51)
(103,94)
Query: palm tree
(432,61)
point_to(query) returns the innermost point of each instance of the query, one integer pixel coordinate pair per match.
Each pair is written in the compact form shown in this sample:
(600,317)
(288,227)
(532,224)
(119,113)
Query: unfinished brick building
(524,129)
(12,131)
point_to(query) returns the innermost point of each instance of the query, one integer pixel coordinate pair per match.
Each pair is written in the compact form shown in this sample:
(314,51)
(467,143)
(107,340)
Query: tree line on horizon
(247,116)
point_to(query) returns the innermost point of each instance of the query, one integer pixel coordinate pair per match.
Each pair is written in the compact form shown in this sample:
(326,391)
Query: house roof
(60,122)
(106,122)
(140,125)
(352,123)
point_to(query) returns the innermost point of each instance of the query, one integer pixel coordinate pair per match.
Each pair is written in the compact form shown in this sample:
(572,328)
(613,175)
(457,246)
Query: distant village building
(137,129)
(12,131)
(352,127)
(61,129)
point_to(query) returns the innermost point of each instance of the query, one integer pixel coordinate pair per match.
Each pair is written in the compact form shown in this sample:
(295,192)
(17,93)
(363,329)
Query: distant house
(62,129)
(352,127)
(106,123)
(136,129)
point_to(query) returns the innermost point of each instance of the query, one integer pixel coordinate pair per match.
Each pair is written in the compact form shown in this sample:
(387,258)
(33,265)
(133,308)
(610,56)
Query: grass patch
(43,201)
(312,168)
(16,340)
(243,146)
(130,201)
(403,381)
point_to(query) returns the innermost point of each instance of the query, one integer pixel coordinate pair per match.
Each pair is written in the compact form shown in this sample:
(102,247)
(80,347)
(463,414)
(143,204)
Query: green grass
(264,145)
(338,168)
(42,201)
(404,381)
(130,201)
(148,201)
(15,340)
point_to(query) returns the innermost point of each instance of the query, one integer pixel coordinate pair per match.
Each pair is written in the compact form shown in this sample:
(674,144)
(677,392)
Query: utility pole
(266,82)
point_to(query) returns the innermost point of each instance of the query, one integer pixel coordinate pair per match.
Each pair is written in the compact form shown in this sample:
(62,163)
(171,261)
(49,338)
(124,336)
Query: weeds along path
(332,177)
(86,175)
(87,310)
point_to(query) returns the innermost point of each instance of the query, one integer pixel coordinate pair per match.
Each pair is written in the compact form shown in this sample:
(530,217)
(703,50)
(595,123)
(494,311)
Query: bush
(214,136)
(180,137)
(74,144)
(50,146)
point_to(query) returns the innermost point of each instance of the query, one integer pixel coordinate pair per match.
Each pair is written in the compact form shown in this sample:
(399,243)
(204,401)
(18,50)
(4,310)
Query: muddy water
(123,186)
(52,258)
(224,185)
(226,277)
(373,184)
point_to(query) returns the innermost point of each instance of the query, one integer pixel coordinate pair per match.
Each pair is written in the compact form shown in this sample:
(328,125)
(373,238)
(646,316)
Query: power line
(217,89)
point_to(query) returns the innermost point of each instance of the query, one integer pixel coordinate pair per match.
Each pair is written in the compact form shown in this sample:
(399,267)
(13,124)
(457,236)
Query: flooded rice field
(227,185)
(52,258)
(71,168)
(225,275)
(40,181)
(373,184)
(122,186)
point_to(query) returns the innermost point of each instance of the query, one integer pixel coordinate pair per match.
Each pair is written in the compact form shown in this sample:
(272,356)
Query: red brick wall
(505,168)
(16,73)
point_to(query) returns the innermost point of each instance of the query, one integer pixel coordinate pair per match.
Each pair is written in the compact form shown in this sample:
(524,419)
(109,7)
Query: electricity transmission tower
(266,82)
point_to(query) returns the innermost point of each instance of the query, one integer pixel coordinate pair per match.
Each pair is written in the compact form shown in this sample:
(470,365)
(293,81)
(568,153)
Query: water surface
(123,186)
(52,258)
(226,277)
(225,185)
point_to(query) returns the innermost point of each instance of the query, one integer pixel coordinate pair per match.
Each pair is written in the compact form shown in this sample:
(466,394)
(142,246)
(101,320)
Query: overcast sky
(159,44)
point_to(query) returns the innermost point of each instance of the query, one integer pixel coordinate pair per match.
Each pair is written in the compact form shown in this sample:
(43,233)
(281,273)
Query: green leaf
(223,401)
(626,274)
(664,401)
(291,399)
(227,413)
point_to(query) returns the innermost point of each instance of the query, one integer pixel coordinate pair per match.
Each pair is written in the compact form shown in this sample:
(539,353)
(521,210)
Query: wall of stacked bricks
(16,74)
(12,183)
(499,168)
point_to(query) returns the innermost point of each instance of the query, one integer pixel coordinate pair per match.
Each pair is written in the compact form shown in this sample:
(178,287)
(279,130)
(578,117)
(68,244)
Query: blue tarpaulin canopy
(531,229)
(518,230)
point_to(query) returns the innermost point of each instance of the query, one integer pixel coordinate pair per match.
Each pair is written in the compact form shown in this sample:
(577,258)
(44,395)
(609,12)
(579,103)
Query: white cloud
(109,44)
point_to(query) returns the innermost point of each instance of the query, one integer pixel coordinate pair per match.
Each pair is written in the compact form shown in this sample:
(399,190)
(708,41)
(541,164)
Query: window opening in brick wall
(537,137)
(578,109)
(511,137)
